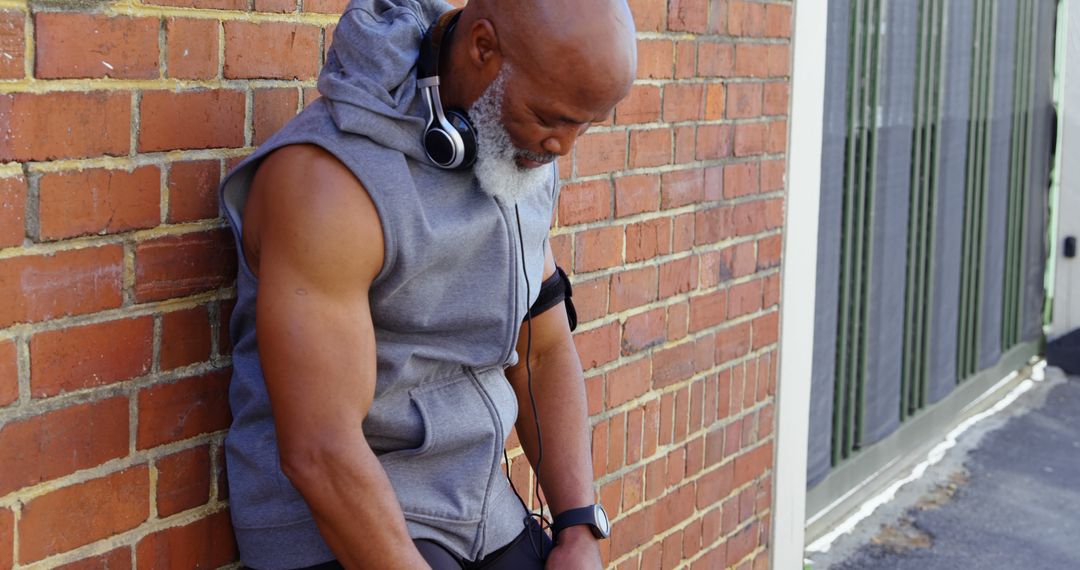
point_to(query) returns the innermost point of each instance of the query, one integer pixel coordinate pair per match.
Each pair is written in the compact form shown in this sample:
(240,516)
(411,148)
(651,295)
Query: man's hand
(575,549)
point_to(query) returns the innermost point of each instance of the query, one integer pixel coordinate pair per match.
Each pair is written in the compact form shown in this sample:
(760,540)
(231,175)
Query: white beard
(495,168)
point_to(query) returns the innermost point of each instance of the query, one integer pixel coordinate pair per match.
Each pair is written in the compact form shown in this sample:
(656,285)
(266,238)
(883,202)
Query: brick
(733,342)
(183,409)
(714,101)
(599,448)
(192,49)
(681,187)
(633,288)
(279,6)
(683,232)
(273,108)
(205,543)
(643,331)
(50,126)
(716,59)
(90,355)
(584,202)
(749,218)
(656,59)
(741,545)
(209,4)
(176,266)
(746,19)
(611,494)
(750,139)
(685,145)
(778,60)
(9,373)
(325,6)
(648,239)
(118,559)
(772,175)
(12,207)
(708,310)
(752,60)
(713,225)
(672,365)
(778,21)
(642,105)
(715,141)
(616,443)
(777,95)
(72,44)
(193,190)
(7,538)
(769,251)
(185,337)
(684,102)
(744,100)
(688,16)
(633,487)
(562,247)
(599,153)
(12,46)
(183,480)
(741,179)
(714,449)
(40,287)
(649,15)
(685,59)
(678,320)
(167,118)
(246,56)
(591,298)
(598,248)
(650,148)
(737,261)
(714,486)
(98,201)
(744,298)
(678,276)
(225,309)
(83,513)
(714,183)
(766,330)
(637,194)
(598,346)
(776,138)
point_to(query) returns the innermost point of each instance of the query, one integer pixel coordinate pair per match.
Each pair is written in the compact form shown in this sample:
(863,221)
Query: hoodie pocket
(446,477)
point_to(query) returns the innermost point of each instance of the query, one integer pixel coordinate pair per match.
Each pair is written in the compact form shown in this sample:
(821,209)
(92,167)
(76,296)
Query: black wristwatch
(593,515)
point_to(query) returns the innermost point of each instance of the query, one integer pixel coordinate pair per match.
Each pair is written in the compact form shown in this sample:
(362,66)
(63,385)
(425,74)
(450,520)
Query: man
(388,296)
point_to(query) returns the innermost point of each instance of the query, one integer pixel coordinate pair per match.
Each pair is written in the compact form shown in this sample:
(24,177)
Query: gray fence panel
(884,362)
(950,204)
(823,380)
(997,180)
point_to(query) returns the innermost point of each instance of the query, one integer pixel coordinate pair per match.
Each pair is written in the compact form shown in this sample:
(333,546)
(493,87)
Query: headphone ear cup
(464,127)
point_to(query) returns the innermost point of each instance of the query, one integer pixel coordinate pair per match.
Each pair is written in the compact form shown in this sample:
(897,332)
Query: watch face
(602,521)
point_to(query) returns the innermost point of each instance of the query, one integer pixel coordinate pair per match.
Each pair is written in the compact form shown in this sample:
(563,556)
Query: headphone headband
(431,46)
(449,138)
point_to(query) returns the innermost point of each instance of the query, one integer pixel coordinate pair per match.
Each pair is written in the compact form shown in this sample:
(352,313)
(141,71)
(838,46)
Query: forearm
(356,509)
(566,472)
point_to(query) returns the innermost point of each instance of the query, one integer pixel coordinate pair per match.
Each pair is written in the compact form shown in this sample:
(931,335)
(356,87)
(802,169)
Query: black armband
(553,290)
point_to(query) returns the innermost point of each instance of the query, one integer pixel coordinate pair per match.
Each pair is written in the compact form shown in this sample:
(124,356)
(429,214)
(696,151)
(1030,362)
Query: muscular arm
(315,238)
(566,473)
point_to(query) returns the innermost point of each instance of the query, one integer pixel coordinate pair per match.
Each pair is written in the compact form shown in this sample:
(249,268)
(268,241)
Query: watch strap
(579,516)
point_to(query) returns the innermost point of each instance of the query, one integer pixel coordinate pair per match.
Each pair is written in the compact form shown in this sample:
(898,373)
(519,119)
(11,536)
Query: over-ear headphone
(449,137)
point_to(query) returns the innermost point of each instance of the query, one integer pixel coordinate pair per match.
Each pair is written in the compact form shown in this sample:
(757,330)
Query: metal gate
(935,172)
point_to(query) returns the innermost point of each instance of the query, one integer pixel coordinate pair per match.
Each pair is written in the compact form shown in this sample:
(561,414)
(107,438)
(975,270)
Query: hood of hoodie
(369,80)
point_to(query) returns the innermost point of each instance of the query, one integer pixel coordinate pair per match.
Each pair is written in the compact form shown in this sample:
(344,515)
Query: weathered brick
(637,194)
(49,126)
(176,266)
(598,248)
(649,15)
(73,282)
(685,59)
(193,190)
(273,108)
(733,342)
(681,187)
(640,332)
(714,101)
(167,118)
(744,100)
(741,179)
(598,153)
(633,288)
(778,20)
(73,44)
(13,46)
(192,49)
(12,209)
(279,6)
(80,514)
(584,202)
(716,59)
(98,200)
(746,19)
(205,543)
(766,330)
(90,355)
(183,409)
(776,95)
(684,102)
(183,480)
(685,145)
(185,337)
(650,147)
(7,538)
(752,60)
(688,16)
(715,141)
(778,60)
(9,373)
(246,56)
(656,59)
(678,276)
(750,139)
(598,346)
(325,6)
(648,239)
(642,105)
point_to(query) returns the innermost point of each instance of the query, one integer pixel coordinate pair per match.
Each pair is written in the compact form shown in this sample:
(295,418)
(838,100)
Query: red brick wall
(118,119)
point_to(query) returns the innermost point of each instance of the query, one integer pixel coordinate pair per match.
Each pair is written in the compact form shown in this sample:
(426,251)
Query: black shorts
(526,552)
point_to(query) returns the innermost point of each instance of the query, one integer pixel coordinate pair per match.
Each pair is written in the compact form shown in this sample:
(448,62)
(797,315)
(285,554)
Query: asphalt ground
(1006,496)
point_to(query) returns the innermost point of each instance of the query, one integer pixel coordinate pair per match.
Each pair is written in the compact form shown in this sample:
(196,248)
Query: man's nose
(562,141)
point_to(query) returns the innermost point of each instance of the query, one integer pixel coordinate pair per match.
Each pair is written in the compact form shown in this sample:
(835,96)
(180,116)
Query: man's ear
(485,51)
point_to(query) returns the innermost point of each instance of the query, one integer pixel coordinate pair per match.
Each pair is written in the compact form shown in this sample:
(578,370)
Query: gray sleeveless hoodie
(446,308)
